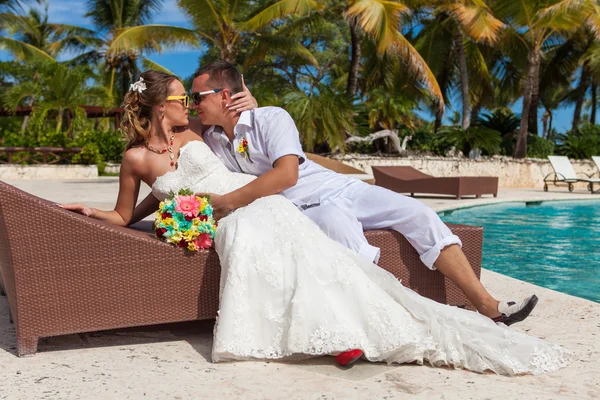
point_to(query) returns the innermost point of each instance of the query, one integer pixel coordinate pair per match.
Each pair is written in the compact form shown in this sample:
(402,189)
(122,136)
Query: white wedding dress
(287,289)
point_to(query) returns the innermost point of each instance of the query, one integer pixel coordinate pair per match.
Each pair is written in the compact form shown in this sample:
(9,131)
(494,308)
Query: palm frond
(281,9)
(567,15)
(520,13)
(476,21)
(281,46)
(326,117)
(150,38)
(149,64)
(379,19)
(415,63)
(24,51)
(207,15)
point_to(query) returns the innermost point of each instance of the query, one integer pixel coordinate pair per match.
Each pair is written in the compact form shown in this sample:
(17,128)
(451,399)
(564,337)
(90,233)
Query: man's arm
(283,176)
(283,147)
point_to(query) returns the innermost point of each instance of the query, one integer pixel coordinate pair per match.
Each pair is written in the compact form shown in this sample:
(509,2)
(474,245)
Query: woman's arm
(129,189)
(146,207)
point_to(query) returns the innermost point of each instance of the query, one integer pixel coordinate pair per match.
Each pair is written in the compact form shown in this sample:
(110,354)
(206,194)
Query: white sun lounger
(565,174)
(596,160)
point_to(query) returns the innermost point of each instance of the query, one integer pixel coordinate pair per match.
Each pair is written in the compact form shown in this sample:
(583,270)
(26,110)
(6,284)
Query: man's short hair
(221,75)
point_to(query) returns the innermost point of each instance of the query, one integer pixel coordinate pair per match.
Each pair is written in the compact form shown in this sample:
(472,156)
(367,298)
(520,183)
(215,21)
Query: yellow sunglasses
(186,99)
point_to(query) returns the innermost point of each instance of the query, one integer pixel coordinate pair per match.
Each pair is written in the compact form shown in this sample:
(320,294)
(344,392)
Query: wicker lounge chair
(340,168)
(565,174)
(403,179)
(64,273)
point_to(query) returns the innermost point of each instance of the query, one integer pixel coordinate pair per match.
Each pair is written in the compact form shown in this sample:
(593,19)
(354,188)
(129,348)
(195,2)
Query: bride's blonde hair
(137,106)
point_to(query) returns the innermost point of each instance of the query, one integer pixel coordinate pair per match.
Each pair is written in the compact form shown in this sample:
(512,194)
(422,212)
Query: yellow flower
(170,222)
(176,237)
(203,204)
(190,235)
(241,148)
(192,246)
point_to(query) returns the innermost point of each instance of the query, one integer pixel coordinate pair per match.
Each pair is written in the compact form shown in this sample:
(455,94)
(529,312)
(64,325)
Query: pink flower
(188,205)
(203,241)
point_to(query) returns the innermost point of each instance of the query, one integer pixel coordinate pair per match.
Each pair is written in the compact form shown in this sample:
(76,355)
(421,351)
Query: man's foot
(348,358)
(515,312)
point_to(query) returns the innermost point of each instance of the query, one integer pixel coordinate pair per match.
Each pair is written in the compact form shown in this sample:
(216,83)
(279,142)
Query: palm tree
(325,117)
(33,38)
(217,24)
(379,19)
(59,91)
(124,37)
(459,25)
(535,23)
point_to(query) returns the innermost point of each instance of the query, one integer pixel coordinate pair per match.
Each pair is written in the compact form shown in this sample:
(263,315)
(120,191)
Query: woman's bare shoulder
(134,157)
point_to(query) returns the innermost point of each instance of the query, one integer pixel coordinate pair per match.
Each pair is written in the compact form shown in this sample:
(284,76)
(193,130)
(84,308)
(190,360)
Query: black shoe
(515,312)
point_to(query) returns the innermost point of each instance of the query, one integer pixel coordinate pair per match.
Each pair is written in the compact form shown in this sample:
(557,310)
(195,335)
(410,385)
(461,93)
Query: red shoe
(347,358)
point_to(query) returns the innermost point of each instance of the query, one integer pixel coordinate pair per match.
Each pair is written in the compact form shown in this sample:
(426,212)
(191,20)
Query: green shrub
(485,139)
(108,144)
(538,147)
(583,143)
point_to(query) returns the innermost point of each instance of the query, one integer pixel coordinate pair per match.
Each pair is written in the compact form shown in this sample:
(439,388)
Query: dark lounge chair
(409,180)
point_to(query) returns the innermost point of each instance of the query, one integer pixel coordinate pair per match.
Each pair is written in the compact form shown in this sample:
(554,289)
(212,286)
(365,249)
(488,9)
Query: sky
(183,61)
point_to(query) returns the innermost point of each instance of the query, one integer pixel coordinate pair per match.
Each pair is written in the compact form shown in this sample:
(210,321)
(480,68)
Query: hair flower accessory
(138,86)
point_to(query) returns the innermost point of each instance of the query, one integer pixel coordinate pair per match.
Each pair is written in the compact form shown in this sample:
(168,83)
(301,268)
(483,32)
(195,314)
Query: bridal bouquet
(186,220)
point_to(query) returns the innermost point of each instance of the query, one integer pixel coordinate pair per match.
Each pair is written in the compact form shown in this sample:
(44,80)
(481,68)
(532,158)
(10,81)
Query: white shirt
(271,134)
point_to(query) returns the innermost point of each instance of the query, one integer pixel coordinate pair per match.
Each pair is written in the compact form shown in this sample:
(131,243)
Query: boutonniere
(243,149)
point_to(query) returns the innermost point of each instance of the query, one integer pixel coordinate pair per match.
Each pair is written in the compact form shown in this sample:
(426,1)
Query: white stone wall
(13,171)
(512,173)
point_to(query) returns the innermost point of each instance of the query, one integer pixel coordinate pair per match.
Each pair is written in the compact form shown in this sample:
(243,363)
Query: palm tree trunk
(112,80)
(439,114)
(533,62)
(59,120)
(29,103)
(581,89)
(354,58)
(533,113)
(464,77)
(545,118)
(594,103)
(549,125)
(475,112)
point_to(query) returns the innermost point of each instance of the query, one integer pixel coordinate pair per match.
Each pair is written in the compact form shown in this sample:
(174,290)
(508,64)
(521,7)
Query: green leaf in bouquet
(185,192)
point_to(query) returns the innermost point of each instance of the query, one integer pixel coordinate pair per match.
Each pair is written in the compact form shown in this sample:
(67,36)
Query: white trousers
(365,207)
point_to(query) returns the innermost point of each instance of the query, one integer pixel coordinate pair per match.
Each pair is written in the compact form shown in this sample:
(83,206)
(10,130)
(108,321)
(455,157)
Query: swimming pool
(554,244)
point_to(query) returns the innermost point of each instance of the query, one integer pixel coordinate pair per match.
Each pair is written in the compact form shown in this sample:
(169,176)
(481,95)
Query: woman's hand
(79,208)
(242,101)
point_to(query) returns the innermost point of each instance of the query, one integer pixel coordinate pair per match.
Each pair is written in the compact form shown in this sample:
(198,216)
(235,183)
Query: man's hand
(220,204)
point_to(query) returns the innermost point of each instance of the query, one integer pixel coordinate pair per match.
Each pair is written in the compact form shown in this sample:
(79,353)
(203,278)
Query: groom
(265,142)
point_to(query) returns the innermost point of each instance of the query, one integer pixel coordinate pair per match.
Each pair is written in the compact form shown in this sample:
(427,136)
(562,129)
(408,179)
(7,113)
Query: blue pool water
(552,244)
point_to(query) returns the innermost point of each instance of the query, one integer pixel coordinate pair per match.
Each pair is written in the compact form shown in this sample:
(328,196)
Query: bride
(286,288)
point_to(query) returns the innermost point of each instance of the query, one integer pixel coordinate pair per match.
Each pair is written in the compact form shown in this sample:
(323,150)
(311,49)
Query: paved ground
(172,362)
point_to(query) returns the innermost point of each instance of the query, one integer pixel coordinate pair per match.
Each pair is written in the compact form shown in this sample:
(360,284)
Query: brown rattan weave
(64,273)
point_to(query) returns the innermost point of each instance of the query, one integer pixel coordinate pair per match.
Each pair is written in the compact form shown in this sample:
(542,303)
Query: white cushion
(563,168)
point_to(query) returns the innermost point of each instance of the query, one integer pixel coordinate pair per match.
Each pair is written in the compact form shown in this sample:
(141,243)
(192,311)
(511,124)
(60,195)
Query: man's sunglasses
(197,97)
(186,99)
